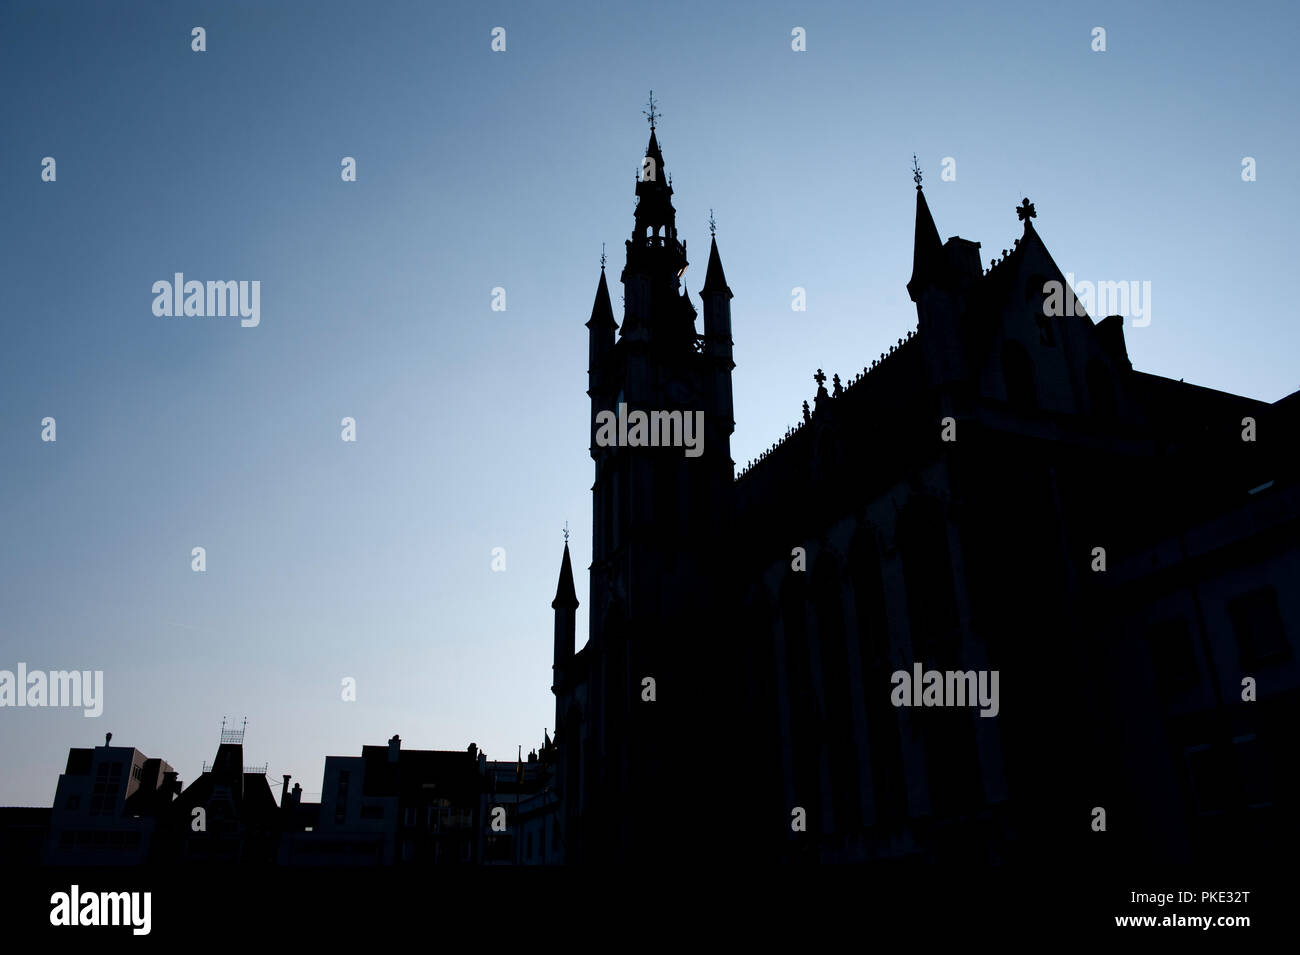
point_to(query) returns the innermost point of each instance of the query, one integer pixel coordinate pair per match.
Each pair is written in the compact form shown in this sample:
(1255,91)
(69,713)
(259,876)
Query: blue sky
(477,169)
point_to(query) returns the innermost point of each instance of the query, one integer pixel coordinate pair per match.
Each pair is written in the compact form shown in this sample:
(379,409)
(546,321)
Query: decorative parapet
(840,390)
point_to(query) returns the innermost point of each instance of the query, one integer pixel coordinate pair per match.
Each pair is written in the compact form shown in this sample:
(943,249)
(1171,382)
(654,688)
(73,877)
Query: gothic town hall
(1001,491)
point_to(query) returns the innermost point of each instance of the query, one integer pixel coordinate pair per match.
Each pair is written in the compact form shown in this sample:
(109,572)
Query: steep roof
(927,250)
(566,595)
(714,279)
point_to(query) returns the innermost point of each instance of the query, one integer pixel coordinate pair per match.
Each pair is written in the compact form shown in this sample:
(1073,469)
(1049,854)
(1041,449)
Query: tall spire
(654,305)
(602,311)
(652,151)
(566,595)
(716,299)
(565,606)
(927,250)
(714,279)
(653,190)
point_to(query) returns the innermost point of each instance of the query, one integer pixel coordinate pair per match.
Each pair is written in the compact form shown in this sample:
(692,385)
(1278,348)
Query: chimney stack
(394,746)
(963,258)
(284,793)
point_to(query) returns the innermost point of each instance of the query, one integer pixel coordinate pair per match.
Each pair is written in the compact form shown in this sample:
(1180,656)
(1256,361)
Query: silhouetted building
(524,790)
(107,806)
(394,806)
(656,511)
(24,831)
(947,506)
(1203,612)
(227,815)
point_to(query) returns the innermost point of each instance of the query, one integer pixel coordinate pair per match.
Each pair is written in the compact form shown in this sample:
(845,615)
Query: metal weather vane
(651,111)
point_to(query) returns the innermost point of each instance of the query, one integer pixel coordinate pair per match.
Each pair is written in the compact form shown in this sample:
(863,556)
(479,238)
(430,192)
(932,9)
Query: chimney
(1110,333)
(473,752)
(394,746)
(169,784)
(284,793)
(297,794)
(108,738)
(963,258)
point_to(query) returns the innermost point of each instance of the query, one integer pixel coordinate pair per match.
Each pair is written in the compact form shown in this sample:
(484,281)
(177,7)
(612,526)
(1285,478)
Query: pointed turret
(565,606)
(716,299)
(927,250)
(654,305)
(655,215)
(714,279)
(600,330)
(602,311)
(566,595)
(653,153)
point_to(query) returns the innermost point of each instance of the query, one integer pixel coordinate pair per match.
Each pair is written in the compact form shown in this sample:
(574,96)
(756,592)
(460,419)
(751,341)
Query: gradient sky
(477,169)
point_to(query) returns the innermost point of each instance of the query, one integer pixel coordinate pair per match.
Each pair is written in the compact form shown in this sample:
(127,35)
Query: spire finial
(916,173)
(566,533)
(652,111)
(820,378)
(1025,211)
(602,268)
(713,225)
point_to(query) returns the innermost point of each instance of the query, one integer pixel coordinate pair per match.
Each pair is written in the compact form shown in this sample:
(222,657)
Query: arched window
(952,766)
(617,691)
(927,576)
(1018,375)
(1038,295)
(1101,390)
(1045,334)
(887,775)
(804,729)
(762,746)
(837,687)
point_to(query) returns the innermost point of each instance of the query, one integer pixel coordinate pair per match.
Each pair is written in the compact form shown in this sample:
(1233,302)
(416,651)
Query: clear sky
(478,169)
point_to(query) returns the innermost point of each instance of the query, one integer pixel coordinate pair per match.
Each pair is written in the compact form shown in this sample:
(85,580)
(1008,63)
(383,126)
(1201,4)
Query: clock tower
(659,519)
